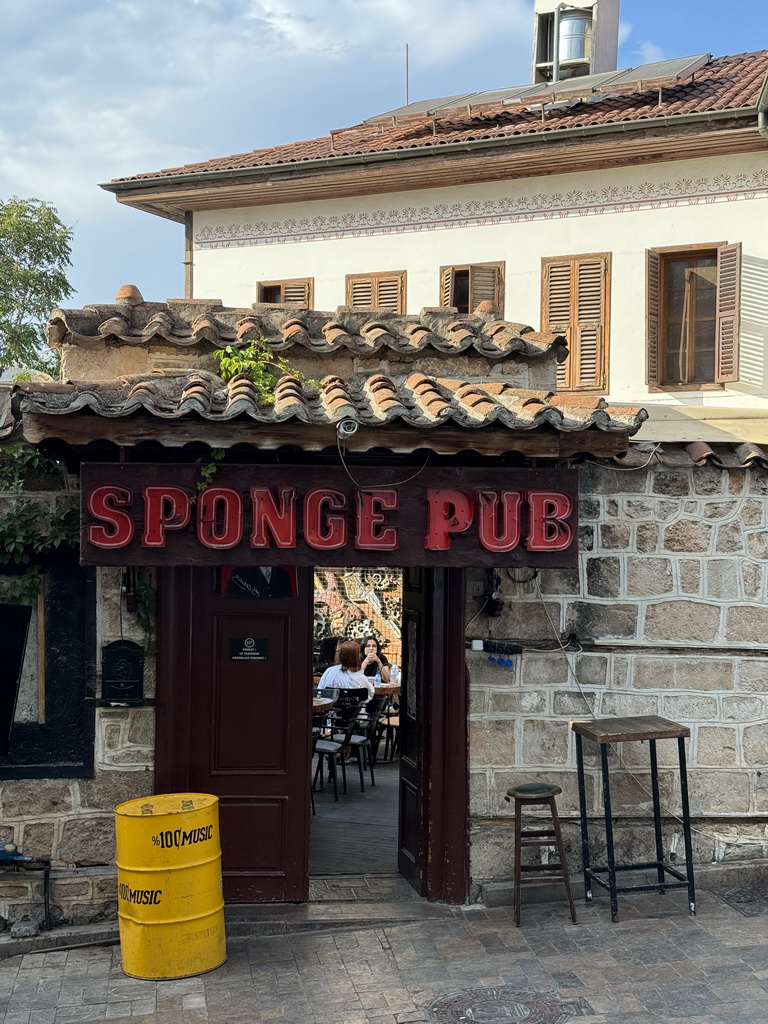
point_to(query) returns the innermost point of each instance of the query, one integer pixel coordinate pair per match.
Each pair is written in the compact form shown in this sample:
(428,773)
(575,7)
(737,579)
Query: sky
(92,90)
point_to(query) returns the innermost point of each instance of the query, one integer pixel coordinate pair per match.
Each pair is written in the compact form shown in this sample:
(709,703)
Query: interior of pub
(354,818)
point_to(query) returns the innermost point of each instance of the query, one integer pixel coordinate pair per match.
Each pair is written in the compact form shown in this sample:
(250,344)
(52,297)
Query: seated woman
(373,660)
(347,674)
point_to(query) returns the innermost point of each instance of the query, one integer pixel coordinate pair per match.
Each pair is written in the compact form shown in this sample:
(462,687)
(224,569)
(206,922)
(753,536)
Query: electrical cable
(396,483)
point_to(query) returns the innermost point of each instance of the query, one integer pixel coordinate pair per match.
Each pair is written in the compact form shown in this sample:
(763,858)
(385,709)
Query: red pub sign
(141,514)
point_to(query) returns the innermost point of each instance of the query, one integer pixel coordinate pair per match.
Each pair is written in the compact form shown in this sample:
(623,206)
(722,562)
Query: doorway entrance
(233,719)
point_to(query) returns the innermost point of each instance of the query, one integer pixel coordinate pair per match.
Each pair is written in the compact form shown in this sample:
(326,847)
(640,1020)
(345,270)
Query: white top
(337,676)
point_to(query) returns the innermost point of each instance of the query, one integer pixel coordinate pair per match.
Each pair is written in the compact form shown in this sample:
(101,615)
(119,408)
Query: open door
(234,714)
(433,851)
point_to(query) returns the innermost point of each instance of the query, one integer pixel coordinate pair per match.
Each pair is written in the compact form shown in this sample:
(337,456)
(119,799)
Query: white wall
(623,211)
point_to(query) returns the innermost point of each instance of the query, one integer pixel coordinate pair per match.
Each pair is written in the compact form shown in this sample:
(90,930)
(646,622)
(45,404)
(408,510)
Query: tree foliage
(34,256)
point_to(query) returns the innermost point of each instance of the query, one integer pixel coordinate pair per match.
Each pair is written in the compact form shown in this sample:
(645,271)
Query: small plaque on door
(248,648)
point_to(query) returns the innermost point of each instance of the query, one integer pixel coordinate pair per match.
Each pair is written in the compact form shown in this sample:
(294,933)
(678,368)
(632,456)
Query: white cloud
(649,53)
(625,31)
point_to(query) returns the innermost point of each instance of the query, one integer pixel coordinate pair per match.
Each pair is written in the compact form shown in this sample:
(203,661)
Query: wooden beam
(79,431)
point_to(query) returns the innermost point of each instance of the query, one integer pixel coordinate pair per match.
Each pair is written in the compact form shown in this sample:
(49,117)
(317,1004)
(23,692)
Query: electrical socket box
(476,588)
(500,647)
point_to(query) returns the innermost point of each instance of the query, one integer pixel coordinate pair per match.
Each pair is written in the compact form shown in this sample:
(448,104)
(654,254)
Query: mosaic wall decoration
(353,603)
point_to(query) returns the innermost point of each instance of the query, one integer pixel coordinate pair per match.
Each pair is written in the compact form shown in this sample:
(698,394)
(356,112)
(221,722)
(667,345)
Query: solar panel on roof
(580,85)
(661,72)
(422,107)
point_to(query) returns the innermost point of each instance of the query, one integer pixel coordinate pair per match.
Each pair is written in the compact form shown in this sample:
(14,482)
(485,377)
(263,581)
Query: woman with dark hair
(347,674)
(373,660)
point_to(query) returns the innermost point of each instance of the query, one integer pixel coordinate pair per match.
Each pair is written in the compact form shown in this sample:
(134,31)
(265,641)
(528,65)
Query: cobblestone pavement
(656,965)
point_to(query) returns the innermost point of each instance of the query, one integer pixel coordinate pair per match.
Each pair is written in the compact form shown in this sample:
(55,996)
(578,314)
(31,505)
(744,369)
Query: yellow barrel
(170,902)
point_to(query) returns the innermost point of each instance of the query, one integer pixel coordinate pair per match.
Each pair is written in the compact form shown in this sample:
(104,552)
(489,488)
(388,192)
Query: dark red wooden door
(239,716)
(433,851)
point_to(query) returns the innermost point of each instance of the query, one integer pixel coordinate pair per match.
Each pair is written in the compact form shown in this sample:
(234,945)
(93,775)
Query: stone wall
(72,820)
(666,614)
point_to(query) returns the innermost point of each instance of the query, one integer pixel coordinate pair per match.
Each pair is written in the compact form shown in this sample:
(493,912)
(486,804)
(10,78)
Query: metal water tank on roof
(575,35)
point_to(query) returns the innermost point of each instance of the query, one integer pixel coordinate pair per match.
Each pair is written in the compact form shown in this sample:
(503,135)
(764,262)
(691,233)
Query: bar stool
(531,794)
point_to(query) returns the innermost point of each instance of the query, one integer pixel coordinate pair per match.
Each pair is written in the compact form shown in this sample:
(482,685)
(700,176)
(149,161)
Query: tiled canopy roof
(726,83)
(697,453)
(188,322)
(416,401)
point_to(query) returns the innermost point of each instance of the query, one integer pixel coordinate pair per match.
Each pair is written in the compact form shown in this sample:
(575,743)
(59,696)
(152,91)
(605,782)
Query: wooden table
(387,690)
(320,704)
(626,730)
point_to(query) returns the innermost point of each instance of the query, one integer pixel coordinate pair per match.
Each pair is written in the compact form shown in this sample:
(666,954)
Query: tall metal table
(603,731)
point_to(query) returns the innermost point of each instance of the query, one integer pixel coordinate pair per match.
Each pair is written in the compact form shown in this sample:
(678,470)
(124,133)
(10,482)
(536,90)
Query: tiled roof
(416,401)
(725,83)
(187,322)
(697,453)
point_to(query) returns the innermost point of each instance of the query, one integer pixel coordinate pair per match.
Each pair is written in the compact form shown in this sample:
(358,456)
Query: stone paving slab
(657,966)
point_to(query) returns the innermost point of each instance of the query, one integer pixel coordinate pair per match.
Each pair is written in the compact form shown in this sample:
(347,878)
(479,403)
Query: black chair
(361,741)
(331,746)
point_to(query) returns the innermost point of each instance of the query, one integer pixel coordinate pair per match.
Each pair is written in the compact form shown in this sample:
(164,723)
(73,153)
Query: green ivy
(260,364)
(20,461)
(145,595)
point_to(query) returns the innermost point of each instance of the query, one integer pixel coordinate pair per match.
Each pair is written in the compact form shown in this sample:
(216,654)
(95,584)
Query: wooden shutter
(557,311)
(389,293)
(653,316)
(486,285)
(384,291)
(728,310)
(446,286)
(588,366)
(298,292)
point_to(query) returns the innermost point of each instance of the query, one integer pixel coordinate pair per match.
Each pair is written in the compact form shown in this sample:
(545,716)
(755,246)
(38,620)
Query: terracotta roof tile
(417,401)
(725,83)
(185,322)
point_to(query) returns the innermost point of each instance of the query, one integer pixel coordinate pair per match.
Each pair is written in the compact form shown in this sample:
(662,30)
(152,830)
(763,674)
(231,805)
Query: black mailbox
(122,674)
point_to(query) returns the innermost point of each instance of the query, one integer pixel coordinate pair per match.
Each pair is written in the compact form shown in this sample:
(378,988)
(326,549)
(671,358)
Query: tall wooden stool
(530,794)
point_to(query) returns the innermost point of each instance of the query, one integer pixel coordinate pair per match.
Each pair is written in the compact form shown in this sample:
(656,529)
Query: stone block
(752,512)
(718,792)
(729,539)
(603,576)
(592,669)
(648,537)
(574,703)
(517,702)
(86,841)
(751,579)
(722,579)
(757,544)
(716,746)
(622,705)
(621,671)
(478,701)
(141,730)
(107,885)
(632,794)
(688,535)
(753,675)
(110,787)
(591,621)
(708,480)
(24,929)
(756,745)
(737,481)
(597,479)
(483,672)
(757,481)
(689,570)
(747,624)
(590,508)
(112,736)
(66,888)
(667,510)
(586,538)
(649,577)
(560,581)
(544,743)
(37,839)
(529,620)
(615,536)
(719,509)
(686,709)
(677,673)
(691,508)
(639,508)
(478,793)
(743,709)
(611,508)
(686,621)
(544,669)
(492,742)
(673,482)
(38,797)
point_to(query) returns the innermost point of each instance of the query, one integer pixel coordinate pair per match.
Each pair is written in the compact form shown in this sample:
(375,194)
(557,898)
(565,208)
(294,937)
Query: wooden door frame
(446,820)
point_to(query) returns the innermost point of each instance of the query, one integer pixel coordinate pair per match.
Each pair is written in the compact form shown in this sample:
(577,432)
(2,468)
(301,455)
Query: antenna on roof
(407,78)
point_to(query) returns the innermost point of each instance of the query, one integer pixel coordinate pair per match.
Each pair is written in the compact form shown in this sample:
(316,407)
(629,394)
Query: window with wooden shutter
(693,298)
(296,291)
(466,286)
(575,303)
(385,291)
